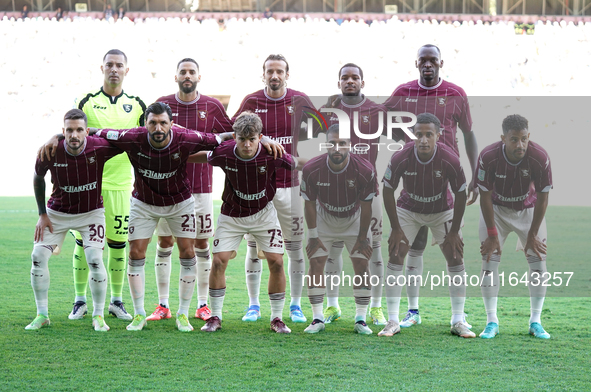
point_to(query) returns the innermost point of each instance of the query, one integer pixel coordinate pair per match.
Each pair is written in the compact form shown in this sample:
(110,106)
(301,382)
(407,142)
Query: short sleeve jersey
(279,116)
(121,112)
(425,184)
(514,185)
(160,174)
(447,101)
(203,114)
(77,178)
(339,193)
(250,183)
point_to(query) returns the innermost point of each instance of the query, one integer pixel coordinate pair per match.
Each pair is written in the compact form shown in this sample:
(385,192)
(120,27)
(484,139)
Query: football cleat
(98,322)
(332,313)
(213,324)
(391,329)
(203,313)
(182,323)
(411,318)
(279,326)
(491,330)
(377,316)
(463,319)
(39,322)
(138,323)
(252,314)
(315,327)
(160,313)
(362,328)
(536,330)
(78,311)
(296,314)
(118,310)
(461,329)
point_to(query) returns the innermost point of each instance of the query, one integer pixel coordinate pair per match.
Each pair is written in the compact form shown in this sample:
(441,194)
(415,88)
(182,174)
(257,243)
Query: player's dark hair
(334,128)
(248,124)
(428,118)
(514,122)
(352,66)
(76,114)
(432,46)
(158,108)
(115,52)
(187,60)
(276,57)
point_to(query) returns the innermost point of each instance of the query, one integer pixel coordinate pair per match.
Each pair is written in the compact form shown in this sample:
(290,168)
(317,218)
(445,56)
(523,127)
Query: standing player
(75,203)
(277,105)
(367,113)
(515,178)
(191,110)
(427,169)
(449,103)
(110,107)
(247,208)
(338,189)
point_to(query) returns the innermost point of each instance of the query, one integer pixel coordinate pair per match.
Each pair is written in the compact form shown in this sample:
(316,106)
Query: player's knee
(94,258)
(201,243)
(166,242)
(275,263)
(218,262)
(415,252)
(40,256)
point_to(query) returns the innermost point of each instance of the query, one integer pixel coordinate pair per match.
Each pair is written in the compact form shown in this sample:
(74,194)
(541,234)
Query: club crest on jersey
(365,119)
(437,173)
(91,160)
(202,114)
(290,109)
(262,169)
(351,183)
(481,174)
(525,172)
(176,156)
(127,107)
(441,101)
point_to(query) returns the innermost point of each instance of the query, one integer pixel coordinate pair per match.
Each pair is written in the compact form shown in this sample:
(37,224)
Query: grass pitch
(69,355)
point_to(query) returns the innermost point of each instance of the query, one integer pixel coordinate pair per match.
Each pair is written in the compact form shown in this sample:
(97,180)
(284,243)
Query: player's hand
(313,245)
(472,193)
(48,149)
(455,242)
(362,246)
(489,246)
(333,101)
(42,223)
(396,237)
(534,243)
(272,147)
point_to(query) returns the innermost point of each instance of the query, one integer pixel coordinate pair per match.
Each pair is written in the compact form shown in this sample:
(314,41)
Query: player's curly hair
(514,122)
(276,57)
(428,118)
(248,124)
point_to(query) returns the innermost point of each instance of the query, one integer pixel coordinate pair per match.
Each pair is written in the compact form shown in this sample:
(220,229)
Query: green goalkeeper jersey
(121,112)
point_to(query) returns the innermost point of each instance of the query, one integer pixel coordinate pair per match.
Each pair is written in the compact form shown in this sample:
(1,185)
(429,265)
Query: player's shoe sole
(99,325)
(391,329)
(38,322)
(490,331)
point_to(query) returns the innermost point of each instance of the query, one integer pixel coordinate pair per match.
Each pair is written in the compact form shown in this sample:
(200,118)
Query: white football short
(290,212)
(439,223)
(508,220)
(91,226)
(263,226)
(203,218)
(332,229)
(143,219)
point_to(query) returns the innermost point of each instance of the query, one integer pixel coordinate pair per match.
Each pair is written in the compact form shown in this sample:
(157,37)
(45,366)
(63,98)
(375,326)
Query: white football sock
(457,291)
(277,301)
(162,266)
(216,298)
(414,267)
(254,270)
(362,297)
(333,267)
(136,276)
(188,275)
(296,269)
(40,277)
(316,297)
(376,268)
(489,286)
(537,268)
(97,280)
(203,268)
(393,290)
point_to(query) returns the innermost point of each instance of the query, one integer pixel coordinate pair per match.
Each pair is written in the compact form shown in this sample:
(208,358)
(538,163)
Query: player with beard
(280,109)
(338,189)
(449,103)
(192,110)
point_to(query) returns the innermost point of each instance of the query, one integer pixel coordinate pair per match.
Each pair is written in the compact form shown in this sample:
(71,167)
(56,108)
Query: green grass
(69,355)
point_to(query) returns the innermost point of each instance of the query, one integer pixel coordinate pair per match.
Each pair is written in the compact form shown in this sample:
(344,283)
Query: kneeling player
(514,177)
(75,203)
(426,168)
(338,189)
(247,208)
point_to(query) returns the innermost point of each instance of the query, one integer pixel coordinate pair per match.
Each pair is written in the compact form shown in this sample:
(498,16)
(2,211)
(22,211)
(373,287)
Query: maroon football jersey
(339,193)
(514,185)
(368,113)
(160,174)
(250,183)
(278,118)
(447,101)
(425,184)
(77,179)
(203,114)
